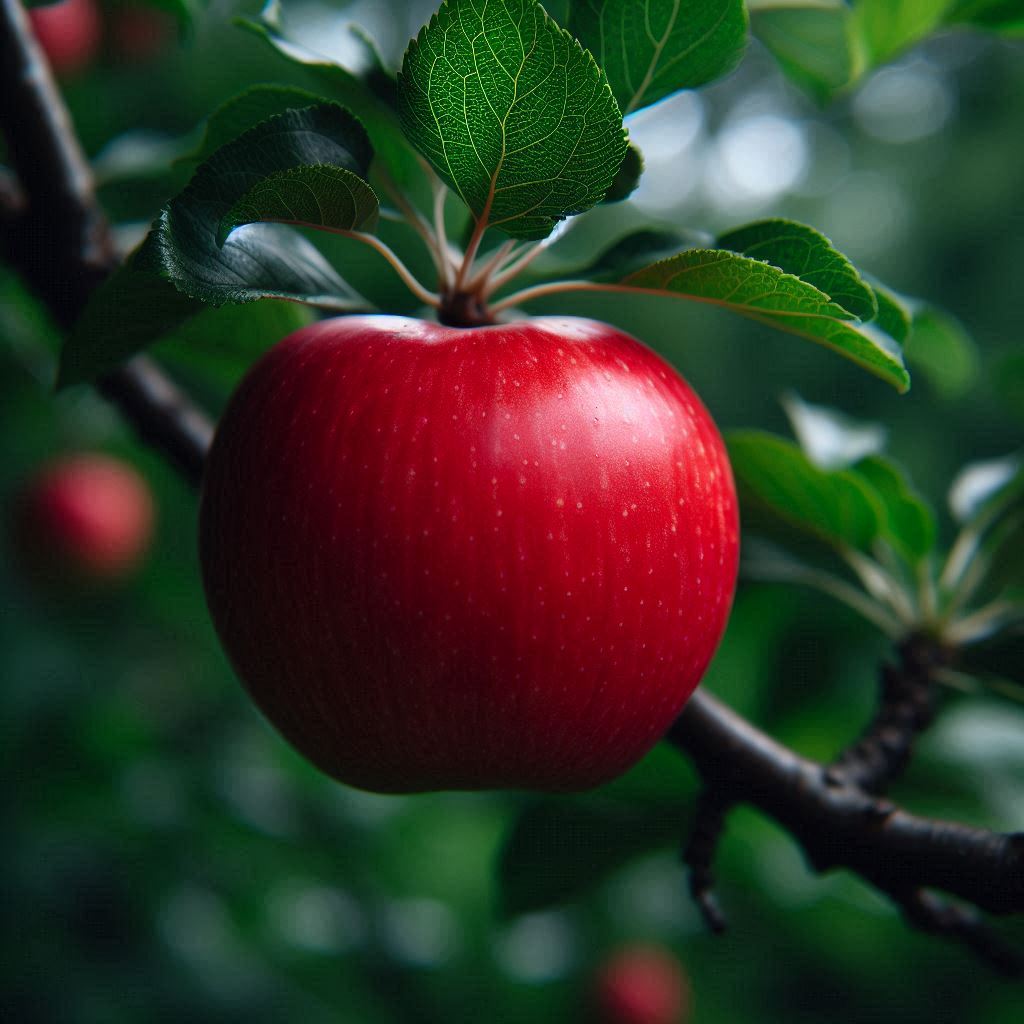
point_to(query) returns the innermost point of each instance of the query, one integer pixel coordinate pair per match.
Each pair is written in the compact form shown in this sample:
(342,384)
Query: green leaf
(137,305)
(186,236)
(806,253)
(181,265)
(810,43)
(1000,15)
(319,196)
(361,84)
(835,506)
(908,523)
(893,313)
(634,251)
(245,111)
(940,348)
(512,113)
(627,177)
(880,29)
(558,850)
(652,48)
(220,344)
(769,295)
(832,440)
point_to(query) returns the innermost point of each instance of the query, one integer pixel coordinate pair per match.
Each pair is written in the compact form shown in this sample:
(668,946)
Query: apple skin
(641,985)
(69,33)
(444,558)
(84,519)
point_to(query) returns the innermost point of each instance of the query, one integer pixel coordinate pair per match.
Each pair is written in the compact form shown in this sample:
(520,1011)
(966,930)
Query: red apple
(446,558)
(642,985)
(86,518)
(69,33)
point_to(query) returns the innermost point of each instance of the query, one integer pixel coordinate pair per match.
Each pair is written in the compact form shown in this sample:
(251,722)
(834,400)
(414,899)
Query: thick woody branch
(53,232)
(839,825)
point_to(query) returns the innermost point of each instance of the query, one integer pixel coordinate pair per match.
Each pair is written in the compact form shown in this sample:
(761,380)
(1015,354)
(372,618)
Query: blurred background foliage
(167,858)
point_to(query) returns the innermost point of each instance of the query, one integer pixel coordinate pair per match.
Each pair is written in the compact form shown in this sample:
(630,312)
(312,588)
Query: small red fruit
(445,558)
(69,33)
(642,985)
(86,518)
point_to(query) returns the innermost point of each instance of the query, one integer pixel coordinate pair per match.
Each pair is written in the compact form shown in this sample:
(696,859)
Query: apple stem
(478,280)
(551,288)
(520,259)
(435,245)
(408,278)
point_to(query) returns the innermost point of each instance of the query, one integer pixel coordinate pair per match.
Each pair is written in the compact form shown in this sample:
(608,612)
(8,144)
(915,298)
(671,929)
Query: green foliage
(837,506)
(767,293)
(654,48)
(512,113)
(245,111)
(320,196)
(362,84)
(942,350)
(184,261)
(805,253)
(827,46)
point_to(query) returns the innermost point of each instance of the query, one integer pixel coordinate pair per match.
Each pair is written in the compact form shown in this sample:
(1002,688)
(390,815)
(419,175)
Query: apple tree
(460,530)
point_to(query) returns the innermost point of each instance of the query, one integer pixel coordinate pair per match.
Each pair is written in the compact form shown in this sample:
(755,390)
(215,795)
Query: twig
(699,853)
(906,707)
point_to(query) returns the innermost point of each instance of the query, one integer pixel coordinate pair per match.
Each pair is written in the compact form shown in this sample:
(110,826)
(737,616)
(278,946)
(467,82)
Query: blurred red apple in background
(641,985)
(69,33)
(84,519)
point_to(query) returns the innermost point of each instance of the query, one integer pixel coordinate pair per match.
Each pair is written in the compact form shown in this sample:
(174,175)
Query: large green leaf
(768,294)
(652,48)
(512,113)
(181,265)
(806,253)
(835,506)
(245,111)
(319,196)
(186,235)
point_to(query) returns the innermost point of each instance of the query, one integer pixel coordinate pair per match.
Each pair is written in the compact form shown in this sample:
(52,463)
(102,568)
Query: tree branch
(839,825)
(54,233)
(57,237)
